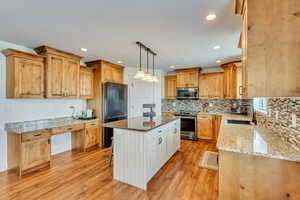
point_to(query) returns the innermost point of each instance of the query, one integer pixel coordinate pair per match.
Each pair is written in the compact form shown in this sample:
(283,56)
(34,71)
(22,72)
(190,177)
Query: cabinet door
(54,76)
(86,83)
(35,153)
(205,127)
(92,136)
(117,75)
(29,82)
(180,76)
(170,87)
(192,79)
(71,78)
(107,73)
(203,86)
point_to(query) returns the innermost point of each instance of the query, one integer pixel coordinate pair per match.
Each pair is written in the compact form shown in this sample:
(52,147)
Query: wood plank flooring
(88,176)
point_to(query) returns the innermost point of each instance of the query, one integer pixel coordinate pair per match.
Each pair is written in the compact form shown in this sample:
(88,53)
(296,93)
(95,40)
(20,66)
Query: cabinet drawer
(91,124)
(67,129)
(26,137)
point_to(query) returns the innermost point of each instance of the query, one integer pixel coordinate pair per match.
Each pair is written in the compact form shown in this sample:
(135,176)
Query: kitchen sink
(232,121)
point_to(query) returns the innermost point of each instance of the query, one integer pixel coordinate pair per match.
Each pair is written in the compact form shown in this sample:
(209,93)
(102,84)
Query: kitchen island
(142,146)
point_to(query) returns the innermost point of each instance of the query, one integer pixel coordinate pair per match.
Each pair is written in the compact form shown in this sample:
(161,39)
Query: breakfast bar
(142,146)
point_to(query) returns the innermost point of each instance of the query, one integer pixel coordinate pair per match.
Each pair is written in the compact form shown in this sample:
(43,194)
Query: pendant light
(154,78)
(140,74)
(148,76)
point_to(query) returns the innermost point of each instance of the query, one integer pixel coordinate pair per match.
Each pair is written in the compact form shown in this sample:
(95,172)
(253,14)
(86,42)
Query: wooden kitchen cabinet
(112,72)
(229,80)
(62,73)
(205,128)
(86,83)
(208,126)
(170,87)
(187,77)
(24,74)
(34,154)
(211,85)
(92,135)
(270,47)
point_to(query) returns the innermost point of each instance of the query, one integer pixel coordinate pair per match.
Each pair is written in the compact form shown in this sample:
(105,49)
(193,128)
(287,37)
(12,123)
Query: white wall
(14,110)
(141,92)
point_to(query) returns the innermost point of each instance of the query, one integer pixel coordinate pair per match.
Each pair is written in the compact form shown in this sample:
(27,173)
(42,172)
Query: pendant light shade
(140,74)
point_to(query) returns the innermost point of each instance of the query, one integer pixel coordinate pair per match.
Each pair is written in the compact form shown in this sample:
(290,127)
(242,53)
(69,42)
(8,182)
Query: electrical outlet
(294,120)
(276,114)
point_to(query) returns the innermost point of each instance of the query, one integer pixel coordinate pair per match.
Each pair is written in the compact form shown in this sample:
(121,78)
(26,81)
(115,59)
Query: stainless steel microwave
(187,93)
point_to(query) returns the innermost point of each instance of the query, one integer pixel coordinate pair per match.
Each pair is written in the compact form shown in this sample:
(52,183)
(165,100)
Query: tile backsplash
(279,119)
(215,105)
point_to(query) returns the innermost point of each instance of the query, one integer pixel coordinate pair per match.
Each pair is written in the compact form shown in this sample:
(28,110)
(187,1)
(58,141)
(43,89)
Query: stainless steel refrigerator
(114,107)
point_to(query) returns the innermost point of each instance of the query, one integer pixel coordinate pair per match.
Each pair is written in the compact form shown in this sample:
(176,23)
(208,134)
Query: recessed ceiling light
(218,61)
(83,49)
(210,17)
(217,47)
(172,66)
(119,62)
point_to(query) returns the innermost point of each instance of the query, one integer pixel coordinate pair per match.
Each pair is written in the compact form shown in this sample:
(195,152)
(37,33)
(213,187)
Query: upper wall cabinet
(24,74)
(270,45)
(62,73)
(86,82)
(170,87)
(229,81)
(187,77)
(109,72)
(211,85)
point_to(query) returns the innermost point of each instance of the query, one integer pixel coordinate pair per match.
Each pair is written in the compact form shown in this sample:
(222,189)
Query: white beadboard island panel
(138,155)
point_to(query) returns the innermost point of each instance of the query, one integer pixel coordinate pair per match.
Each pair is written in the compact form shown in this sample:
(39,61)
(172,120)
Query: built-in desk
(29,143)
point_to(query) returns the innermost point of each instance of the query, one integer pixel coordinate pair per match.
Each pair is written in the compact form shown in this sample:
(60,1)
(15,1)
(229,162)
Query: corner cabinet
(86,83)
(62,73)
(170,87)
(270,47)
(187,77)
(24,74)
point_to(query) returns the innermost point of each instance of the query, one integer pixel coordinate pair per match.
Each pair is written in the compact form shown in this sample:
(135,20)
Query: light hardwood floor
(88,176)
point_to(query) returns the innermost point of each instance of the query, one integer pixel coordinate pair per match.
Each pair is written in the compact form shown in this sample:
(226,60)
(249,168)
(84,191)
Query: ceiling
(175,29)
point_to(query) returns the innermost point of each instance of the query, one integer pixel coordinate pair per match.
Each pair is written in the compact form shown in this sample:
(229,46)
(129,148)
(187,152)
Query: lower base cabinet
(31,151)
(34,154)
(208,126)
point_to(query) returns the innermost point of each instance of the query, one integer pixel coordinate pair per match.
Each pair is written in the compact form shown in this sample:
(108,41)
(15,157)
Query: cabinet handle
(160,140)
(69,129)
(36,135)
(48,141)
(160,131)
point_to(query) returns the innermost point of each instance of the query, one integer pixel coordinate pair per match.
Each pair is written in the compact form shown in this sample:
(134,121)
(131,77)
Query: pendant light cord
(140,57)
(153,65)
(147,60)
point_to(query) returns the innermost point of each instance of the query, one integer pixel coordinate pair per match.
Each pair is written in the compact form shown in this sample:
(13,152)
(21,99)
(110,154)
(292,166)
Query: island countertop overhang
(140,123)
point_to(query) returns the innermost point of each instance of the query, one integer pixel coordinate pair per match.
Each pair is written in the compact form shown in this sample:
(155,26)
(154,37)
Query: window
(260,105)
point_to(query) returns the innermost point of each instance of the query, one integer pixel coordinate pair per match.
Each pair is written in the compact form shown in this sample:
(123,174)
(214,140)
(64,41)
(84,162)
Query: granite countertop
(35,125)
(253,140)
(140,123)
